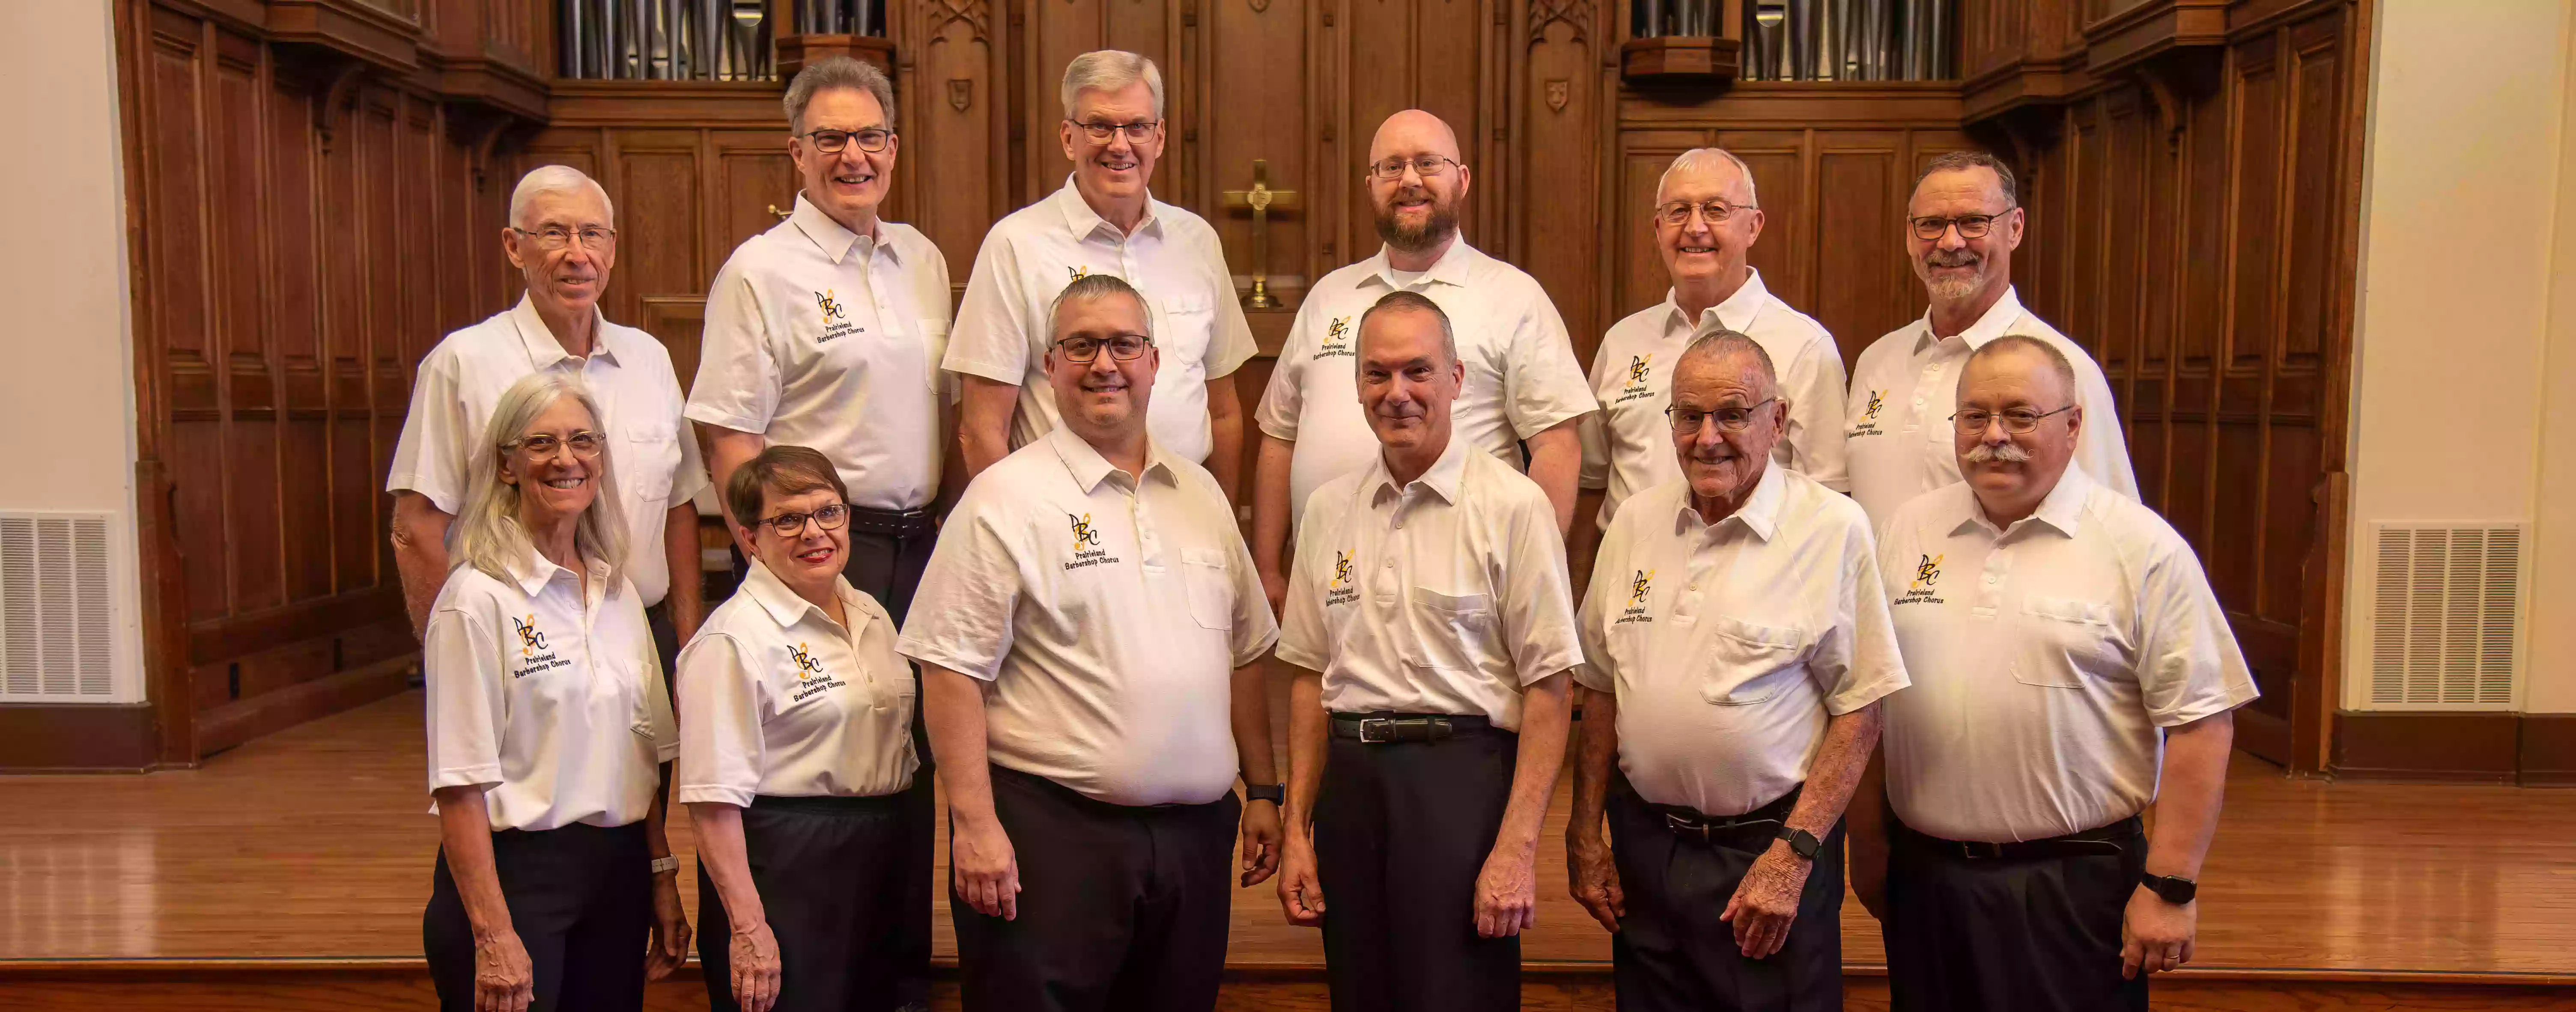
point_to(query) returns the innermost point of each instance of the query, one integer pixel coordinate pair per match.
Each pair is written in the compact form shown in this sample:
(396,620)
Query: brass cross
(1262,200)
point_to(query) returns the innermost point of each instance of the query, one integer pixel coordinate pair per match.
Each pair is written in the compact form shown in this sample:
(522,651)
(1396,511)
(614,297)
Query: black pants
(1673,954)
(1401,832)
(580,898)
(2032,935)
(1120,909)
(889,568)
(832,879)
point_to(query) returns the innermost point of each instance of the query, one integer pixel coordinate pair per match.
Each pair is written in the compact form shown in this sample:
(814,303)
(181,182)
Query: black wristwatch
(1276,794)
(2173,889)
(1802,843)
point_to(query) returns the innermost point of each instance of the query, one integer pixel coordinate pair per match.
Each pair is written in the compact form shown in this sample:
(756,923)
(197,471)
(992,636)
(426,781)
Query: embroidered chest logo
(1343,589)
(531,639)
(531,642)
(1337,340)
(810,679)
(1086,544)
(1640,587)
(1078,273)
(806,666)
(836,324)
(831,306)
(1640,368)
(1867,424)
(1927,576)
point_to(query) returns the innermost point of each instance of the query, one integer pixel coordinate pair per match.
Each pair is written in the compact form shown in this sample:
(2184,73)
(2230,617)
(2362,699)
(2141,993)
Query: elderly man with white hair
(562,236)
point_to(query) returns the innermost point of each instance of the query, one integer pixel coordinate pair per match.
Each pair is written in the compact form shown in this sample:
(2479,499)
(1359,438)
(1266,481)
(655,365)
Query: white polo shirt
(1109,614)
(1729,645)
(1447,595)
(547,695)
(1522,376)
(629,374)
(819,337)
(1906,386)
(784,701)
(2047,657)
(1172,257)
(1628,447)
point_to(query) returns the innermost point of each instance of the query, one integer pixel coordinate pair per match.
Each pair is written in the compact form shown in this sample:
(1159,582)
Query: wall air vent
(57,608)
(2446,622)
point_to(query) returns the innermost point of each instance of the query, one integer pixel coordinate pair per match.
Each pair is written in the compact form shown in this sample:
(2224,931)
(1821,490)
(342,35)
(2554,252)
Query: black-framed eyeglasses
(830,142)
(1678,212)
(1970,226)
(555,237)
(1123,347)
(1688,421)
(2018,421)
(1137,132)
(1426,166)
(585,444)
(829,518)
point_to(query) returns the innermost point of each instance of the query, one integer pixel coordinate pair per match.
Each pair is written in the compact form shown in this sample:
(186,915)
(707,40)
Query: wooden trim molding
(2534,750)
(2547,753)
(78,738)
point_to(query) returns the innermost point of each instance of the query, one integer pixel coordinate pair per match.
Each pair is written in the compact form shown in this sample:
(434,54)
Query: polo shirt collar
(533,571)
(1079,216)
(1089,468)
(1998,320)
(1759,514)
(543,348)
(2063,508)
(834,239)
(1450,269)
(787,609)
(1445,476)
(1739,310)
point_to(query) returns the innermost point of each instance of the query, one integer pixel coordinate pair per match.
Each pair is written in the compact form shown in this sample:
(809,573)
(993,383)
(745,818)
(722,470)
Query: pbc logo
(831,306)
(1078,273)
(1927,572)
(806,665)
(1638,369)
(1638,588)
(530,640)
(1877,400)
(1082,533)
(1341,568)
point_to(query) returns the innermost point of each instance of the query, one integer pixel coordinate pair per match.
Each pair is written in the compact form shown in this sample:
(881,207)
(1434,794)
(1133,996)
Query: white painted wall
(2465,350)
(66,346)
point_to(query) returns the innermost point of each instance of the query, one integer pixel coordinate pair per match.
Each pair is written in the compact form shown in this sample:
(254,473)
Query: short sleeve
(737,385)
(1538,605)
(1599,671)
(2101,450)
(1255,630)
(1814,384)
(1595,433)
(2189,665)
(721,747)
(1231,345)
(991,336)
(460,669)
(961,614)
(1283,402)
(1543,384)
(691,476)
(1302,635)
(1856,663)
(431,455)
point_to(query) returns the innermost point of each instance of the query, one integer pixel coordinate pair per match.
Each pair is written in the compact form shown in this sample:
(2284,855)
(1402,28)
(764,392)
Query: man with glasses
(2071,670)
(1962,225)
(1737,646)
(1104,221)
(1090,636)
(562,237)
(1706,219)
(826,332)
(1523,383)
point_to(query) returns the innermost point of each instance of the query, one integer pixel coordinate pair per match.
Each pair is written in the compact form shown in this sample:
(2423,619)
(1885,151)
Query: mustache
(1997,453)
(1951,258)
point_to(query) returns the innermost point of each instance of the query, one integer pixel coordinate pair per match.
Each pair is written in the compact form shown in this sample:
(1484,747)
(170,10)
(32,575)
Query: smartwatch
(1276,794)
(1802,843)
(2173,889)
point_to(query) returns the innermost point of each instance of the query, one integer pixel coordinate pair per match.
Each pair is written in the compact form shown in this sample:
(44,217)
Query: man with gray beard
(1961,227)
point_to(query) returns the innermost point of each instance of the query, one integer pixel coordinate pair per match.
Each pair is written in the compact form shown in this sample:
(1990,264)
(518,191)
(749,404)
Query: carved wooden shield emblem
(1558,91)
(961,93)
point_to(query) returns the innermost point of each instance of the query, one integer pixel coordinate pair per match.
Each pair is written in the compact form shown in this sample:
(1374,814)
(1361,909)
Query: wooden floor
(315,843)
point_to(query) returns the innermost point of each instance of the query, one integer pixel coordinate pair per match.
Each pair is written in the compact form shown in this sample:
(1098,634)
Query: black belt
(1386,728)
(891,523)
(829,804)
(1752,830)
(2110,841)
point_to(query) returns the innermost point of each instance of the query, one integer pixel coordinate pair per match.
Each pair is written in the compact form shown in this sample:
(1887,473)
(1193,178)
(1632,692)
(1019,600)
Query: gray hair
(1962,161)
(1402,301)
(488,536)
(1722,344)
(555,179)
(1091,287)
(836,72)
(1111,70)
(1703,160)
(2057,360)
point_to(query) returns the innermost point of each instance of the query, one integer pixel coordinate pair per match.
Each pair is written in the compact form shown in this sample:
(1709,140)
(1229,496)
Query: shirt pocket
(1210,585)
(648,452)
(1183,334)
(1450,629)
(2063,638)
(1750,663)
(934,348)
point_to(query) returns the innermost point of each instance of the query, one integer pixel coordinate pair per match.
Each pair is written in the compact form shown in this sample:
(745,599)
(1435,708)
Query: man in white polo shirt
(1737,647)
(1523,382)
(1961,228)
(2071,669)
(563,238)
(1706,220)
(1088,599)
(1430,612)
(1104,221)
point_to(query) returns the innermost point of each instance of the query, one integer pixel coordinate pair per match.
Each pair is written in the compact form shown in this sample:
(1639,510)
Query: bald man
(1523,383)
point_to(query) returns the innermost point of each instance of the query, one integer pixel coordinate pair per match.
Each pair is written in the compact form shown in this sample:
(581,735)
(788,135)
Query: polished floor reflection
(315,842)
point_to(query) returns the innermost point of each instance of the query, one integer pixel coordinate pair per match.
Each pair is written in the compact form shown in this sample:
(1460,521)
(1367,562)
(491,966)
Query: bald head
(1731,353)
(1414,132)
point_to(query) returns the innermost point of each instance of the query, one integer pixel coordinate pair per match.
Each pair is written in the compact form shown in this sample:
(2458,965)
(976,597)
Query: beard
(1436,228)
(1951,287)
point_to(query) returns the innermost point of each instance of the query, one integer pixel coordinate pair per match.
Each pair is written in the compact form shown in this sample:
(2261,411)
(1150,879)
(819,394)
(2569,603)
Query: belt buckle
(1981,850)
(1684,827)
(1377,730)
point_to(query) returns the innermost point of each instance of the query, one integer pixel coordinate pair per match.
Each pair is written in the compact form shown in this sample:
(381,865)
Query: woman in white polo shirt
(548,725)
(793,760)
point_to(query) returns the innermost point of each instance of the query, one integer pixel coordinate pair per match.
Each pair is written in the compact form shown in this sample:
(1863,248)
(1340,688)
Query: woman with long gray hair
(548,729)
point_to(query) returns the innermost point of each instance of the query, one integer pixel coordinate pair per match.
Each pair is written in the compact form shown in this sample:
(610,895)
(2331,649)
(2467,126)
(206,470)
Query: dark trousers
(888,567)
(832,879)
(2031,934)
(1120,909)
(1673,954)
(1401,832)
(580,898)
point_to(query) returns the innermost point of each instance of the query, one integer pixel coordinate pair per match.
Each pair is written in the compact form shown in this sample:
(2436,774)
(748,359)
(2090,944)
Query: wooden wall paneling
(1638,279)
(1856,258)
(954,169)
(1784,252)
(1250,62)
(1557,115)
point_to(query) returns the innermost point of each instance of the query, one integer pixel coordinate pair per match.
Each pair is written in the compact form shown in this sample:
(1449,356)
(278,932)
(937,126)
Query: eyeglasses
(1687,421)
(2018,421)
(1679,212)
(1971,226)
(1427,166)
(585,445)
(830,142)
(555,237)
(1124,347)
(1137,132)
(829,518)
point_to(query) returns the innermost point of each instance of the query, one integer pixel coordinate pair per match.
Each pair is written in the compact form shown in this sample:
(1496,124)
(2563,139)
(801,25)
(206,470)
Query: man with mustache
(1090,636)
(1737,647)
(1104,221)
(1430,615)
(2071,670)
(1523,383)
(1961,227)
